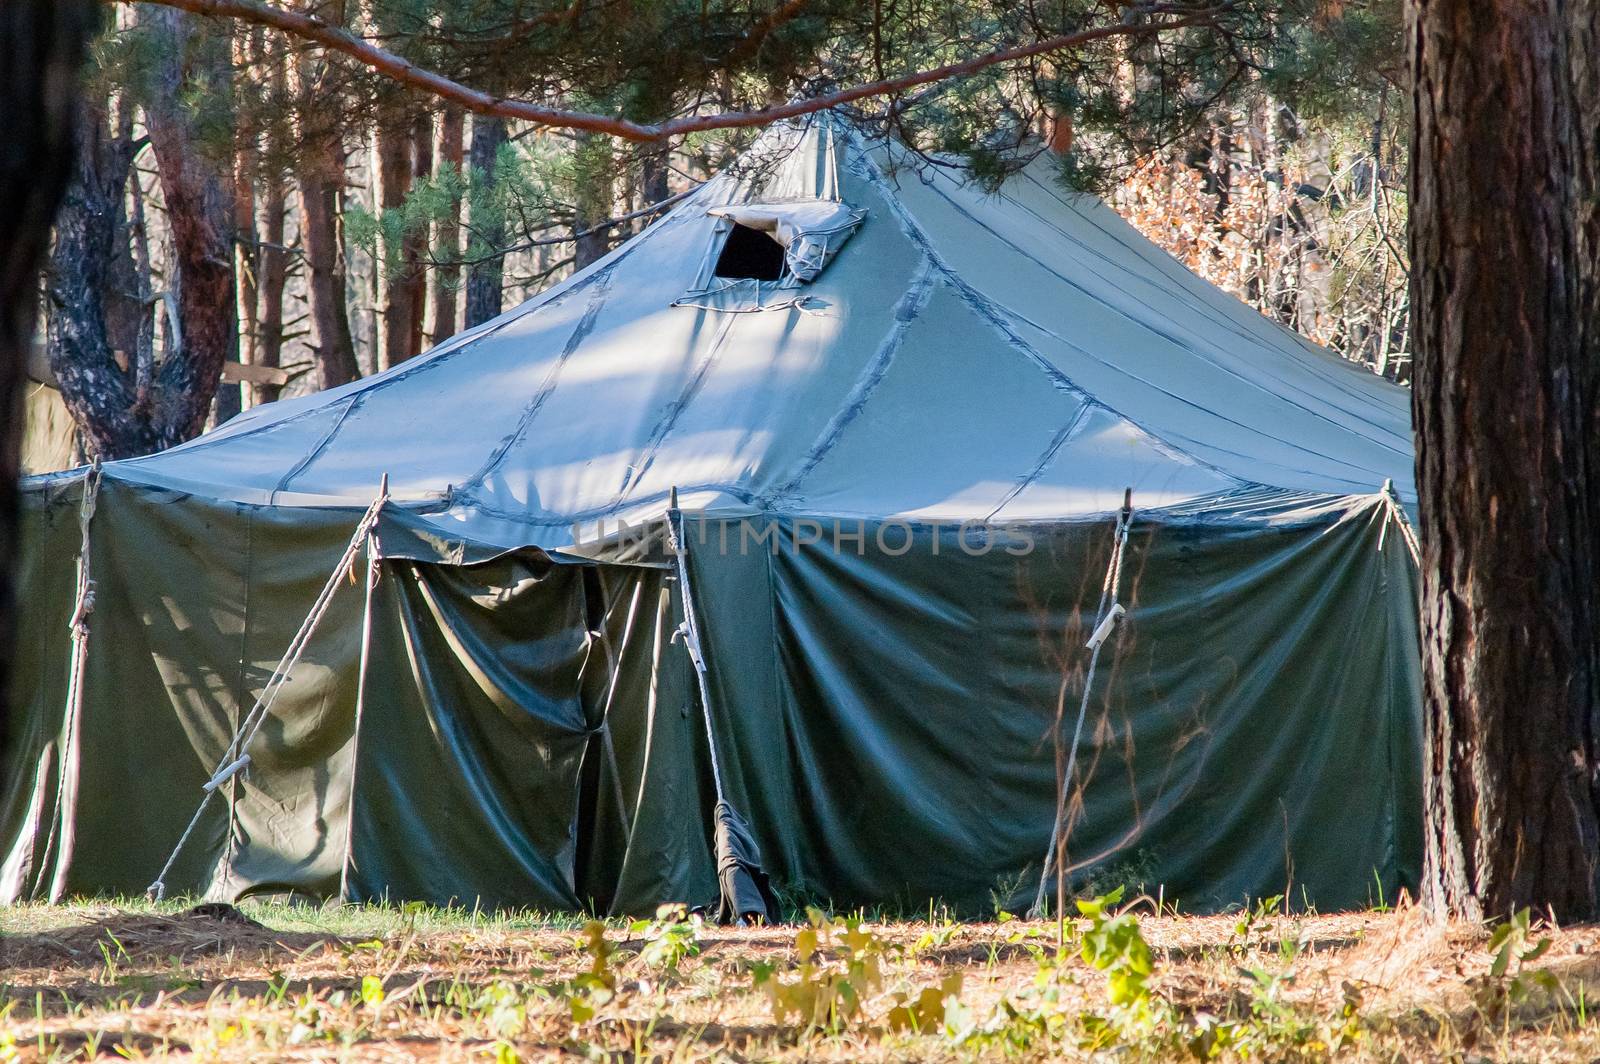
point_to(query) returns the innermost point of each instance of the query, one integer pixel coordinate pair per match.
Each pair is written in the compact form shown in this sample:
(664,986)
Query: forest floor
(275,982)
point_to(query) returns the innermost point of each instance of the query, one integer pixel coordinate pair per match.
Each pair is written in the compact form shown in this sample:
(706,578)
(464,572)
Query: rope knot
(79,625)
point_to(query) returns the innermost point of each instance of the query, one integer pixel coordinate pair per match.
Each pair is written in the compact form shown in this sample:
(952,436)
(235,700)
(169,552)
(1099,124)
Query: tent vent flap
(761,253)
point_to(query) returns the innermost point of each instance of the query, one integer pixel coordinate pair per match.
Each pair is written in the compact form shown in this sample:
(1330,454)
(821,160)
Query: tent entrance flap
(236,758)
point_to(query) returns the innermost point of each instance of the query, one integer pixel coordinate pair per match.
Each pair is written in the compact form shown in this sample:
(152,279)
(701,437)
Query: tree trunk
(110,403)
(405,156)
(320,180)
(446,278)
(272,259)
(595,200)
(1503,293)
(394,182)
(195,57)
(274,279)
(414,246)
(100,334)
(485,275)
(126,297)
(41,48)
(247,259)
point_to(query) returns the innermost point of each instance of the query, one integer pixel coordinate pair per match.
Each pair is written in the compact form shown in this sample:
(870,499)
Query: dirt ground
(305,983)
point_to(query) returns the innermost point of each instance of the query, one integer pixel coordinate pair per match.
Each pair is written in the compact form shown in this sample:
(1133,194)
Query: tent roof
(1015,356)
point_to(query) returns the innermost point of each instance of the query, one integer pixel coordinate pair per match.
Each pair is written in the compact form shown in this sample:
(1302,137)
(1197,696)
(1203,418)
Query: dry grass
(304,983)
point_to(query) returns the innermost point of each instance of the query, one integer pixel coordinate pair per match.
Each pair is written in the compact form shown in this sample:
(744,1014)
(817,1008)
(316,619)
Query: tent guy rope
(236,759)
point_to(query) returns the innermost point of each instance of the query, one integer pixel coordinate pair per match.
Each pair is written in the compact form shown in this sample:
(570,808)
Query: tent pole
(1398,512)
(1106,618)
(373,557)
(745,892)
(691,630)
(64,836)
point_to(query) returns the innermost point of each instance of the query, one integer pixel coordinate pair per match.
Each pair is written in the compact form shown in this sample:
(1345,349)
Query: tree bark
(1503,292)
(272,259)
(111,403)
(655,174)
(125,297)
(200,212)
(41,48)
(447,239)
(485,274)
(100,335)
(321,179)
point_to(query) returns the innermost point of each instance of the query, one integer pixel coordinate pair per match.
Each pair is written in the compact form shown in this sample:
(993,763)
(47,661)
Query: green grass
(344,921)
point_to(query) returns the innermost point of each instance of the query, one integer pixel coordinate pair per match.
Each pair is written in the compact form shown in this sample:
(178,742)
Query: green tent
(875,428)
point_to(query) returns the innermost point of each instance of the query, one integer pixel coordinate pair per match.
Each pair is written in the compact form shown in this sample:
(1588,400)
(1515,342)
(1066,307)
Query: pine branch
(397,68)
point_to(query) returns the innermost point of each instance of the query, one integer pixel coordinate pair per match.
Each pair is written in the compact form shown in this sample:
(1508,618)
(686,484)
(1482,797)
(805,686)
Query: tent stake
(373,557)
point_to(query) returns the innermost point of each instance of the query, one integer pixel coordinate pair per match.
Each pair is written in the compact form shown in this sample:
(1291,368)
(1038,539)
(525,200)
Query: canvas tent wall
(862,455)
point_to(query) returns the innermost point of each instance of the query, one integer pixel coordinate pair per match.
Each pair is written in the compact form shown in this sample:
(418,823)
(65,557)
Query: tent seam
(669,419)
(1163,334)
(1164,262)
(453,347)
(317,451)
(591,313)
(1030,323)
(1062,438)
(1164,259)
(912,303)
(988,310)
